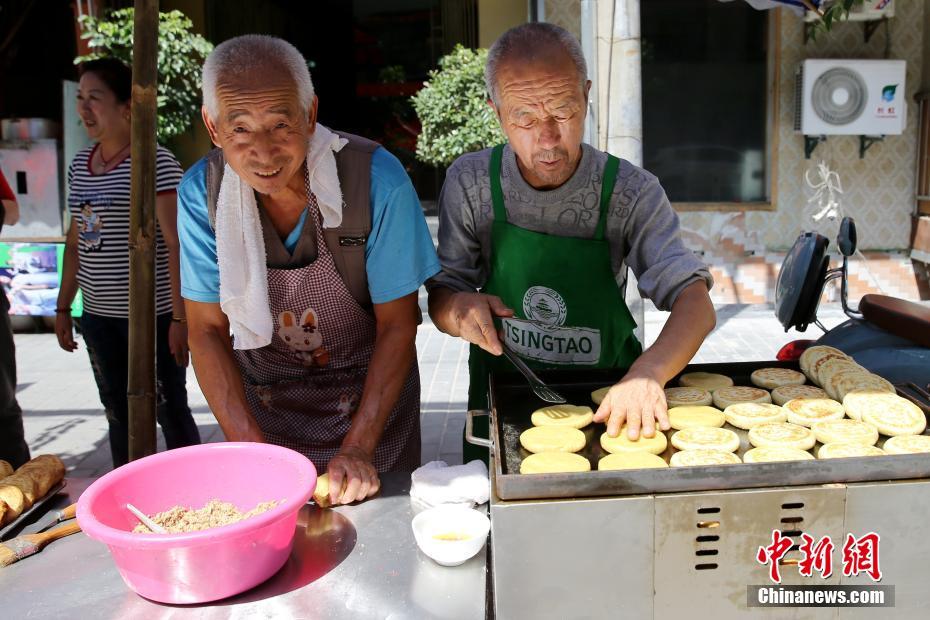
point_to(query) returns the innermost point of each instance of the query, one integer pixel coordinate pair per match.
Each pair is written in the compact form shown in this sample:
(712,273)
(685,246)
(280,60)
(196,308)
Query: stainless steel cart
(682,542)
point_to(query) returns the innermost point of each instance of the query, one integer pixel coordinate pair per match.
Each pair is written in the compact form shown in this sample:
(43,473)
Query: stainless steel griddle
(512,403)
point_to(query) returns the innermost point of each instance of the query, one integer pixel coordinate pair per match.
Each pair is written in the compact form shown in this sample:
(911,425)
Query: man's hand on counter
(638,401)
(352,472)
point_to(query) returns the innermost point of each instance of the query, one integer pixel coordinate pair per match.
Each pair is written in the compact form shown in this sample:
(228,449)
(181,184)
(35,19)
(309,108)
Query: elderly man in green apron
(535,236)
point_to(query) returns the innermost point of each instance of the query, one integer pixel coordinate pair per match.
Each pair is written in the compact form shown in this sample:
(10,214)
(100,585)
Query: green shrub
(453,109)
(832,11)
(181,54)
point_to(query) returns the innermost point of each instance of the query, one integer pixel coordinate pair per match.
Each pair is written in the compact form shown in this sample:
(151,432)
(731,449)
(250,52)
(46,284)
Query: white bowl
(451,535)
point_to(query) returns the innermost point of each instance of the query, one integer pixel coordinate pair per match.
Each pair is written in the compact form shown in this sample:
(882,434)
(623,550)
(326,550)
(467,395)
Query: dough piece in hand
(599,394)
(724,397)
(621,443)
(563,415)
(809,411)
(702,456)
(771,378)
(782,434)
(46,471)
(688,417)
(15,501)
(907,444)
(321,492)
(845,431)
(889,413)
(707,438)
(783,394)
(5,469)
(631,460)
(747,415)
(552,439)
(687,396)
(709,381)
(554,463)
(771,454)
(845,450)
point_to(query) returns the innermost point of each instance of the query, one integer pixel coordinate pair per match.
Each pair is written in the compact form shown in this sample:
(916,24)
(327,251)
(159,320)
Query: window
(706,111)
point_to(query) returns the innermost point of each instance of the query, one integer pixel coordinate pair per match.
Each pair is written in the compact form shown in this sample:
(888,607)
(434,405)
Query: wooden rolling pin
(23,546)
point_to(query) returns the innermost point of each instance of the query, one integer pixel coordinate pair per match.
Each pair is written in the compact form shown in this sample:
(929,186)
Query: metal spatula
(539,388)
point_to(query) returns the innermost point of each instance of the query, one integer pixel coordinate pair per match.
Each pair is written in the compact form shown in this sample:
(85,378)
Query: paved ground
(63,413)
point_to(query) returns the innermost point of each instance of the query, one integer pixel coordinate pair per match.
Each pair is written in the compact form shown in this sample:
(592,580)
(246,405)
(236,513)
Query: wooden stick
(141,386)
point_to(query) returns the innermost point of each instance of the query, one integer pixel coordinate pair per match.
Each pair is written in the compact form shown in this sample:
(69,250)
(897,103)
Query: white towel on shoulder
(240,246)
(324,180)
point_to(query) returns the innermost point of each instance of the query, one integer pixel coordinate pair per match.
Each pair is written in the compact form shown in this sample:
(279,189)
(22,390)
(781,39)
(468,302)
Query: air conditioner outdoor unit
(867,11)
(850,97)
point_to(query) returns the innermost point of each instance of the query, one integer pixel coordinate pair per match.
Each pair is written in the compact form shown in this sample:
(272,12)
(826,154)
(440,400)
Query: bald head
(536,42)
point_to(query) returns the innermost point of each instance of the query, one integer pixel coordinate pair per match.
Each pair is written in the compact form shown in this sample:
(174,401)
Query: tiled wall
(878,190)
(745,249)
(565,13)
(747,273)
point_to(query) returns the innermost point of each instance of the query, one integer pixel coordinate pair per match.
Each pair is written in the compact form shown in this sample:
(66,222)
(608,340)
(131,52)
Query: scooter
(887,335)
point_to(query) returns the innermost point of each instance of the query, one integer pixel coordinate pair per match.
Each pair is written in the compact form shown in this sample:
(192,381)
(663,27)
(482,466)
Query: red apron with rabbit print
(305,386)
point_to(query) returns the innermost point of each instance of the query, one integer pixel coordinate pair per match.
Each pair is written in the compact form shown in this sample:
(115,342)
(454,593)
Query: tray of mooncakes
(733,425)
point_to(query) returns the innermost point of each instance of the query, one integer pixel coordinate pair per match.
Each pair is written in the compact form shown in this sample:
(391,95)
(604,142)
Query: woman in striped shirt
(97,259)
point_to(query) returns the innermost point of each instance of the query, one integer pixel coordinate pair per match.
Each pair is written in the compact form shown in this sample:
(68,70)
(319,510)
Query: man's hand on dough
(474,314)
(637,400)
(352,470)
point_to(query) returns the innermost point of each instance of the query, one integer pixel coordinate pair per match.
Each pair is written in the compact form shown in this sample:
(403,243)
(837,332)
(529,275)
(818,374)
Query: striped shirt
(99,206)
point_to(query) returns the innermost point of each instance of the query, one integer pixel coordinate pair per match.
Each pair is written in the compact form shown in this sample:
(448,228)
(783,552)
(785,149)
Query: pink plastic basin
(211,564)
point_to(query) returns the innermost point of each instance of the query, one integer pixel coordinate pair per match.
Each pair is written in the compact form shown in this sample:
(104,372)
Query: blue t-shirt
(399,253)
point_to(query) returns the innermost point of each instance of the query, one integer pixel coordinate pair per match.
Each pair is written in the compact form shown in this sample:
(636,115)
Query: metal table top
(350,562)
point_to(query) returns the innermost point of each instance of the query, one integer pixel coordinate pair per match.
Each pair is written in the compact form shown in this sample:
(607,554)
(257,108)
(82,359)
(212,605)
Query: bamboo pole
(141,388)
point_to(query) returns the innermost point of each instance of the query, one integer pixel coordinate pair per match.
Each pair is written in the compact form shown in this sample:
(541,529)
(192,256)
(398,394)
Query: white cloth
(439,483)
(324,181)
(240,247)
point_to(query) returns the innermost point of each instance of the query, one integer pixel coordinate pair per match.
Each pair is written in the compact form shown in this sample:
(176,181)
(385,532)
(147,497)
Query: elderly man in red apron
(309,246)
(545,226)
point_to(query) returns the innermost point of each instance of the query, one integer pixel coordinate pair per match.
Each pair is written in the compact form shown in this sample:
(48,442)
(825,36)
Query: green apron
(568,310)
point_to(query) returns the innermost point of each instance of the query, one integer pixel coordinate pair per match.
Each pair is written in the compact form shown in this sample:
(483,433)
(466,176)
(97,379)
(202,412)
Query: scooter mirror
(846,240)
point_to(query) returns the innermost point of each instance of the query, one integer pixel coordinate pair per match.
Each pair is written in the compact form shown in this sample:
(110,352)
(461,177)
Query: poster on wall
(30,278)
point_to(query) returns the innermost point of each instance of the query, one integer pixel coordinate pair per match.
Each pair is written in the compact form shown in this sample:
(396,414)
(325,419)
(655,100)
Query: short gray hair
(248,52)
(525,38)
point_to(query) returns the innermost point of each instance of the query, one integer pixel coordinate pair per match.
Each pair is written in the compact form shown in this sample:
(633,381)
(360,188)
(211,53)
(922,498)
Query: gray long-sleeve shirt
(642,227)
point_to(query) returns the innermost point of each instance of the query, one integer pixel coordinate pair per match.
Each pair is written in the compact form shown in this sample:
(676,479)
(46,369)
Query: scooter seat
(898,316)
